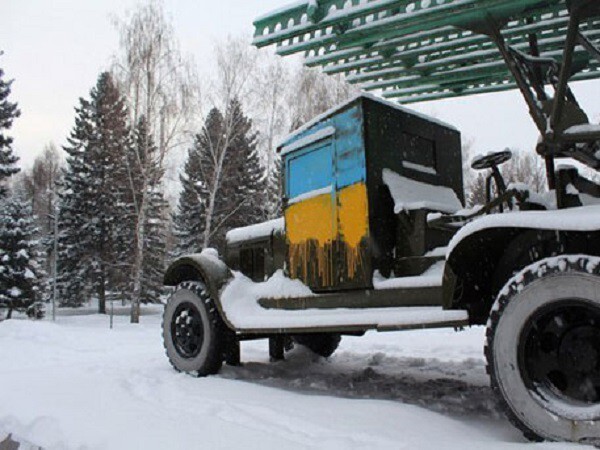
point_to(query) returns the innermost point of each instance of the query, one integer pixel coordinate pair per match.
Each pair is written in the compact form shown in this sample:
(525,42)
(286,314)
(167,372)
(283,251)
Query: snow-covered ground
(76,384)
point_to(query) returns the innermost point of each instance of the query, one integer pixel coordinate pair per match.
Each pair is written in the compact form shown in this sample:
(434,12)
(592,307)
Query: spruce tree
(94,201)
(154,247)
(8,112)
(274,191)
(20,270)
(73,200)
(222,167)
(150,207)
(251,178)
(199,172)
(240,201)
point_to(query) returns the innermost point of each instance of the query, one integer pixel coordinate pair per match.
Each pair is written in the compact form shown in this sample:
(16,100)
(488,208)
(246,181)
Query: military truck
(375,235)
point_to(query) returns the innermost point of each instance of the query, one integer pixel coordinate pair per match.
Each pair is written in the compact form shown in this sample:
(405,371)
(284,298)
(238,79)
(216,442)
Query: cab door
(310,215)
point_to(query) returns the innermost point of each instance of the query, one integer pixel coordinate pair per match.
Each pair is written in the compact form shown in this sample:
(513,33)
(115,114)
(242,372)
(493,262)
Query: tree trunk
(9,313)
(101,295)
(138,266)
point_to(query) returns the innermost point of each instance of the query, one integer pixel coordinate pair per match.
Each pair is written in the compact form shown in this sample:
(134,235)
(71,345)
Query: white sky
(56,49)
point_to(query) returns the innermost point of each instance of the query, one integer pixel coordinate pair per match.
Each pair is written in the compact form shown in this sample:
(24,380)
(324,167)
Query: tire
(322,344)
(543,349)
(193,331)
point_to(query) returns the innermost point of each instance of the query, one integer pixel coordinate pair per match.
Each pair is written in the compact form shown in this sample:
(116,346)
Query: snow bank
(410,194)
(76,384)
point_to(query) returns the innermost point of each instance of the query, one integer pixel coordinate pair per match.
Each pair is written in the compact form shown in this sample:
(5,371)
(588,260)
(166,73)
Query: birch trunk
(138,265)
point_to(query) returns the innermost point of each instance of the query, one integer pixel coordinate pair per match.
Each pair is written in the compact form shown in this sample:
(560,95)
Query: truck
(375,234)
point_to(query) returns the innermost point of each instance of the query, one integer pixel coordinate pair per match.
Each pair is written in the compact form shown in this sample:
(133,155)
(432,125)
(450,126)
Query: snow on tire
(543,349)
(193,330)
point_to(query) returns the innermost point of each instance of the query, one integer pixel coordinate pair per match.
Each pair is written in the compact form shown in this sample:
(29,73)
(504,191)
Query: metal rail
(421,50)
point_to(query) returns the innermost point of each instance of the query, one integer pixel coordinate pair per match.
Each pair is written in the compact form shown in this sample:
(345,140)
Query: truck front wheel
(543,349)
(193,331)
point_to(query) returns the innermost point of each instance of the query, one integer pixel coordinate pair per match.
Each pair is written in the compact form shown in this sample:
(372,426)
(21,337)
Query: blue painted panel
(347,155)
(310,170)
(350,167)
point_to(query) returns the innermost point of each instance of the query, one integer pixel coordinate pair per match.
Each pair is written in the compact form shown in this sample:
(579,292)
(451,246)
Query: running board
(331,320)
(384,298)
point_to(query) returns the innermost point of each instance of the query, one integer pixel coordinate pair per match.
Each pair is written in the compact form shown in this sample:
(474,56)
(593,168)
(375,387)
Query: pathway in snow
(76,384)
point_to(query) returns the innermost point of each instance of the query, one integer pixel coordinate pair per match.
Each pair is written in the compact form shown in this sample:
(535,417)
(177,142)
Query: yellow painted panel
(312,219)
(353,229)
(311,229)
(353,214)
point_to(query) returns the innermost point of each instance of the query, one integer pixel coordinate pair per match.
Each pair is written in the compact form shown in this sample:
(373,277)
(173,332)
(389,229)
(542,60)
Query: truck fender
(205,267)
(479,263)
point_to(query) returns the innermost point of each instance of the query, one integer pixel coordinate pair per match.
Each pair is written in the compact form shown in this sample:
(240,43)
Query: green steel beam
(359,26)
(460,14)
(490,69)
(424,95)
(420,50)
(463,46)
(550,47)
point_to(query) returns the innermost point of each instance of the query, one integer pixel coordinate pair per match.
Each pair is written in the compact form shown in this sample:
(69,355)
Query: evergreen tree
(20,271)
(94,201)
(8,112)
(244,178)
(150,207)
(223,184)
(154,247)
(190,219)
(274,191)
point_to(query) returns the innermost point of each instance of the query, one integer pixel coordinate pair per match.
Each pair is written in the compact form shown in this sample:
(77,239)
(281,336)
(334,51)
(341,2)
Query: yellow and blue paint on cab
(327,223)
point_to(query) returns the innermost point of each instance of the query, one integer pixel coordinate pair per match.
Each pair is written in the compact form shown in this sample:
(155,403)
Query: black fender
(479,263)
(205,267)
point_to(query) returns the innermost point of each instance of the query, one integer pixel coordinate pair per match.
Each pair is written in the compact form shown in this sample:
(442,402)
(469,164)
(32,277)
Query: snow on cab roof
(363,95)
(257,231)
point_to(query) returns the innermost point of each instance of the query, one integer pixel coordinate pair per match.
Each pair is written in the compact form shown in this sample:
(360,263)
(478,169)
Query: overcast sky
(56,49)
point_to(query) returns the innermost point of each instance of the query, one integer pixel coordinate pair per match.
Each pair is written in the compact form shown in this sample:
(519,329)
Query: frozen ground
(76,384)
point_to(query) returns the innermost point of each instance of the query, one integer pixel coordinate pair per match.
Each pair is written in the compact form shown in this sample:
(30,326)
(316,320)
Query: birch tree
(313,93)
(234,68)
(272,83)
(161,85)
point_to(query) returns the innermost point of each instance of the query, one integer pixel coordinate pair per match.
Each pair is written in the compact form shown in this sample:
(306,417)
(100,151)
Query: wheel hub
(187,331)
(577,352)
(561,352)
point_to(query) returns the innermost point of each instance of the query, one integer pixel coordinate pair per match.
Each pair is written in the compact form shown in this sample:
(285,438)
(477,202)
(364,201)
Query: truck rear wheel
(193,331)
(543,349)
